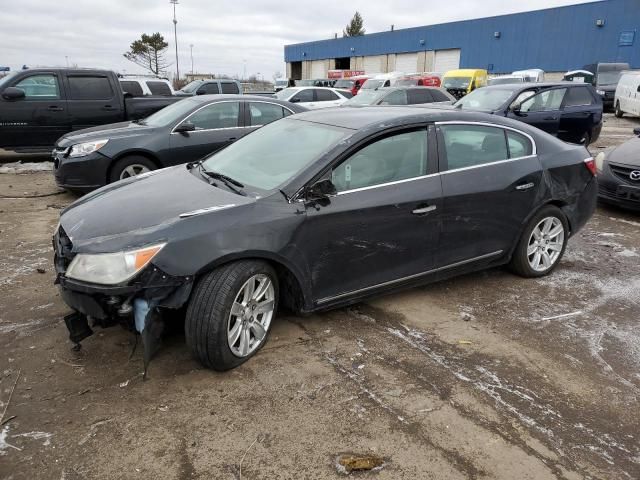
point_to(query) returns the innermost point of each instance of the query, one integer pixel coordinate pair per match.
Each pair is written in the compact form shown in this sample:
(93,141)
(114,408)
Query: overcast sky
(95,33)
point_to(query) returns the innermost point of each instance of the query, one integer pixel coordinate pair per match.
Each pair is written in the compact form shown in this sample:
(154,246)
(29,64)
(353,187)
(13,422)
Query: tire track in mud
(567,428)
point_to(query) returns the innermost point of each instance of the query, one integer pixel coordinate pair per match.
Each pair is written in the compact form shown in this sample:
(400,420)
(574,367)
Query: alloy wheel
(545,244)
(133,170)
(251,315)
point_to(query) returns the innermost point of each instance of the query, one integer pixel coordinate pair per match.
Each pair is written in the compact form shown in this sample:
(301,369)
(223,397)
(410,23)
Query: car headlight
(82,149)
(600,161)
(601,92)
(111,268)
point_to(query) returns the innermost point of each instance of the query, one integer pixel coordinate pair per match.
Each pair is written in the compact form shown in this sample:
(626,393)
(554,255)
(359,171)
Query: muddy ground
(486,376)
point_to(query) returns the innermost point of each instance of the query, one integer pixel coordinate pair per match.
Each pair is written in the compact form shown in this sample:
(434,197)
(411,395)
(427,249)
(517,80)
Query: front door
(216,126)
(382,226)
(39,118)
(541,110)
(490,177)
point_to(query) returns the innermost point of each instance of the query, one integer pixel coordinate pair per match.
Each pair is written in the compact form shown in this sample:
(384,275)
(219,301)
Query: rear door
(490,178)
(38,119)
(305,97)
(327,98)
(542,110)
(217,125)
(382,226)
(580,112)
(92,100)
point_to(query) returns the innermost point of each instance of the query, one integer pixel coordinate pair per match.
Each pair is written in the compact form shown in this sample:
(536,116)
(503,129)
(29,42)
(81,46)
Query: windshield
(608,78)
(365,97)
(372,84)
(485,99)
(259,160)
(505,80)
(456,82)
(192,86)
(5,80)
(171,113)
(343,84)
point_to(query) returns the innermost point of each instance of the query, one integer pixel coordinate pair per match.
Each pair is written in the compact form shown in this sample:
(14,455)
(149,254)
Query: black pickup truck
(38,106)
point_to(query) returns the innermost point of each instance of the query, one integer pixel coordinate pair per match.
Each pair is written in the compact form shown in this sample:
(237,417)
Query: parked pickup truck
(39,106)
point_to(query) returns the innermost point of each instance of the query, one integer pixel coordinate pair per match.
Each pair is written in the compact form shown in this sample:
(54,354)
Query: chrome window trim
(380,185)
(497,162)
(534,150)
(409,277)
(239,102)
(249,102)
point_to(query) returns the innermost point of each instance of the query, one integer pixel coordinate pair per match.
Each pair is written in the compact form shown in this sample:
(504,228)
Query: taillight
(590,163)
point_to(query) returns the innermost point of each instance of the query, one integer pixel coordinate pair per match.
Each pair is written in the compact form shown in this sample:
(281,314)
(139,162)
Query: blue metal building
(555,40)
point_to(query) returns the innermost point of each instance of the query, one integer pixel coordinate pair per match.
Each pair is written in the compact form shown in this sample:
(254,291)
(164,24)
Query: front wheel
(130,167)
(542,244)
(230,313)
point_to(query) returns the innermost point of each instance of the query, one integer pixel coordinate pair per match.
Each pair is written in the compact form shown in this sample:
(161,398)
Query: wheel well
(146,155)
(291,294)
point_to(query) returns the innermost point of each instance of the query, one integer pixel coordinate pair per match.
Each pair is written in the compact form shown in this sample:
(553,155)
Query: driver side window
(398,157)
(548,100)
(40,87)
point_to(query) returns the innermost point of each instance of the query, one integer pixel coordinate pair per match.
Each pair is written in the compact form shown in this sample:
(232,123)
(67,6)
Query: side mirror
(185,127)
(13,93)
(517,108)
(321,190)
(636,131)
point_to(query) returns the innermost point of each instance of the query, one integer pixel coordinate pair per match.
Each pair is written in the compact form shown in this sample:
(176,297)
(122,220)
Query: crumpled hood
(142,206)
(111,131)
(628,153)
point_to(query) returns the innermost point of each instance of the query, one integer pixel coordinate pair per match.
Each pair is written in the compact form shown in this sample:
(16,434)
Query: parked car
(282,83)
(401,96)
(141,86)
(619,174)
(38,106)
(427,79)
(353,206)
(570,111)
(606,80)
(352,84)
(210,87)
(532,75)
(506,79)
(461,82)
(382,80)
(627,96)
(313,97)
(182,132)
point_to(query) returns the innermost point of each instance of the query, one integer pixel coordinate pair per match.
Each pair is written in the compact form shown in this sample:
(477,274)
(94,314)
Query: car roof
(222,97)
(526,85)
(358,118)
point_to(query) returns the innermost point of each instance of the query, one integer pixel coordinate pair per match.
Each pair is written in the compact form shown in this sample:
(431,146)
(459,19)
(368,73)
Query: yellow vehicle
(460,82)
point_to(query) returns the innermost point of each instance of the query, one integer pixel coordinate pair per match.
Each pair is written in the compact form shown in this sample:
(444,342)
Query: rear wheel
(130,167)
(542,244)
(230,313)
(586,139)
(619,113)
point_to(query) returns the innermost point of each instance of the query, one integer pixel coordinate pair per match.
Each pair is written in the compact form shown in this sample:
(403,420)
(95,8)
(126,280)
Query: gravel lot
(487,376)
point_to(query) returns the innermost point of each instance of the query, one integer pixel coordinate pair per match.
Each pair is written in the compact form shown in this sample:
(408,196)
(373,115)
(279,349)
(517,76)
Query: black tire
(520,261)
(209,310)
(120,166)
(586,140)
(618,113)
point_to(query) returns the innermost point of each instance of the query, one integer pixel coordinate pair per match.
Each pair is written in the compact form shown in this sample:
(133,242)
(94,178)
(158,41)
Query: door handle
(108,107)
(525,186)
(233,139)
(550,118)
(54,108)
(424,210)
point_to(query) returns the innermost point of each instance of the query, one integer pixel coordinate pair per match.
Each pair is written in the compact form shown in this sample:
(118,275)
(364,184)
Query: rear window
(159,88)
(210,88)
(578,96)
(418,95)
(325,95)
(89,88)
(439,96)
(132,88)
(230,87)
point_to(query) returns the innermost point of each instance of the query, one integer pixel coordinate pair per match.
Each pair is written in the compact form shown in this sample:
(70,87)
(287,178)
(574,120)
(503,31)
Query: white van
(627,97)
(383,80)
(532,75)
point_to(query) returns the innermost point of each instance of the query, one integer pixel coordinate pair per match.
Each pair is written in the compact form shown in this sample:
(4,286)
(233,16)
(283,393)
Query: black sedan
(182,132)
(361,202)
(619,174)
(401,96)
(570,111)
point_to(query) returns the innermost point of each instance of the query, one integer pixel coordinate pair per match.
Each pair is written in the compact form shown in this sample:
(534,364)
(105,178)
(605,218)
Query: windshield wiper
(228,181)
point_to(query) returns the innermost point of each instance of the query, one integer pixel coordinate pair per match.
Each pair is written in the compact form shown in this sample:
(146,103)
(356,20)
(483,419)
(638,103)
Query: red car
(352,84)
(422,80)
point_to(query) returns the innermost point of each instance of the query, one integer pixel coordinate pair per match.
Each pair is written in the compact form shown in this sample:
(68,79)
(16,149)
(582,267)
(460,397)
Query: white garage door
(318,70)
(446,60)
(373,64)
(406,62)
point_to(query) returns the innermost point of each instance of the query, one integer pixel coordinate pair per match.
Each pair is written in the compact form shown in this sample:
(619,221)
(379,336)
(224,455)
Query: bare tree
(149,53)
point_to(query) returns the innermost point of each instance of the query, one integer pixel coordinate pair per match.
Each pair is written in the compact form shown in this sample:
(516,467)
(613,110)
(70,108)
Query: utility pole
(244,70)
(191,47)
(175,36)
